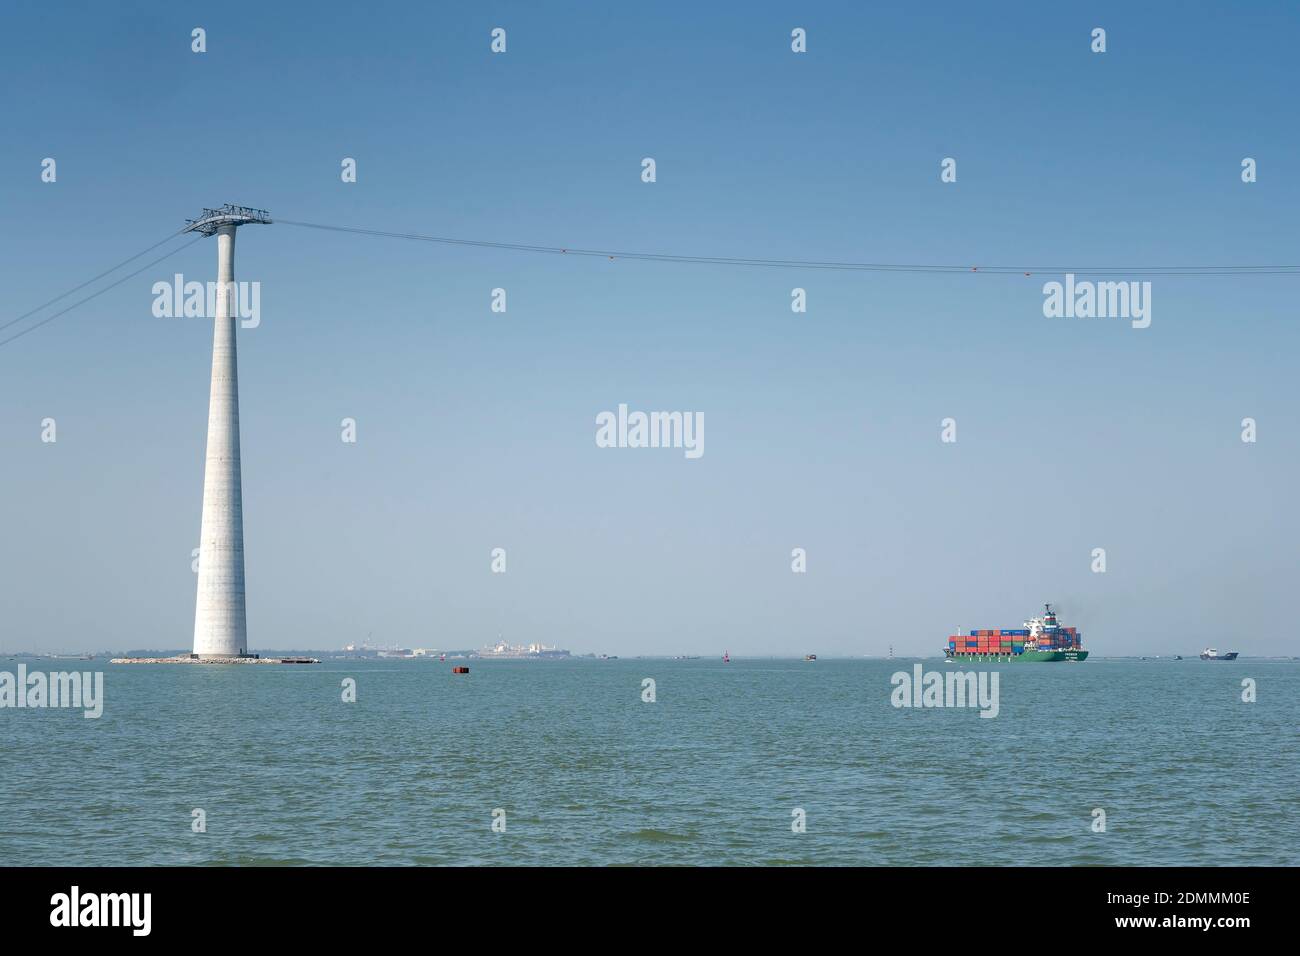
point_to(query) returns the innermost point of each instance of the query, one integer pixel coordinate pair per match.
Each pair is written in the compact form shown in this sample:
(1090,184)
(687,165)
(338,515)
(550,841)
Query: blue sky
(476,430)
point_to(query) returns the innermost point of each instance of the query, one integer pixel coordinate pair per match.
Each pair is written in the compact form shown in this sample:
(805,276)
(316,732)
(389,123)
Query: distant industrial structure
(220,618)
(502,649)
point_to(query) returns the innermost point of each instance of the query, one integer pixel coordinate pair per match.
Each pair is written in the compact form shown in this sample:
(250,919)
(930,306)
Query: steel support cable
(78,288)
(930,268)
(96,294)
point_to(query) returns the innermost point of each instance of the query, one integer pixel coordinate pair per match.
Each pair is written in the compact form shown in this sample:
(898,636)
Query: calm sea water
(708,774)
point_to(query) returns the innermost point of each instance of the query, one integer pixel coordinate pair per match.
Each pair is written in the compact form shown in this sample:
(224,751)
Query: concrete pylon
(220,620)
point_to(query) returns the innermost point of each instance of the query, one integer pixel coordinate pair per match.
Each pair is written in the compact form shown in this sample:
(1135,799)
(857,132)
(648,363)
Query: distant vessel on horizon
(1042,639)
(1212,654)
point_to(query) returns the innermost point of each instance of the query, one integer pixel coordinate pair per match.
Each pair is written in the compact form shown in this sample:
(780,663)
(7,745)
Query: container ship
(1041,639)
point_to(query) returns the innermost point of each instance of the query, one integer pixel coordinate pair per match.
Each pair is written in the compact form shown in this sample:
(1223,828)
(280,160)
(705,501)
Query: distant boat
(1211,654)
(726,657)
(810,657)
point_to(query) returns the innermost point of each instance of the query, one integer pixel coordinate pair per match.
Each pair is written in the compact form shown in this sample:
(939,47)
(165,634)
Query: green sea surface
(712,772)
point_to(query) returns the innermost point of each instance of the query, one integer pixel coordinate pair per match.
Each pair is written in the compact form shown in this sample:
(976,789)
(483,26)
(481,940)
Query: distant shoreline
(318,656)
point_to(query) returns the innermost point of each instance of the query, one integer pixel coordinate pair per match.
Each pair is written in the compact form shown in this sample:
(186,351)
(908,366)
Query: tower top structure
(210,220)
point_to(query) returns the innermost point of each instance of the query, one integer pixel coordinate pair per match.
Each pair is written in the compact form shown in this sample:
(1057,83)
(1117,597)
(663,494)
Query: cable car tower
(220,621)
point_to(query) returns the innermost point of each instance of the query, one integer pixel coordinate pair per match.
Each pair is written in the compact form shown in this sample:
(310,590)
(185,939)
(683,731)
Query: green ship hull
(1028,656)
